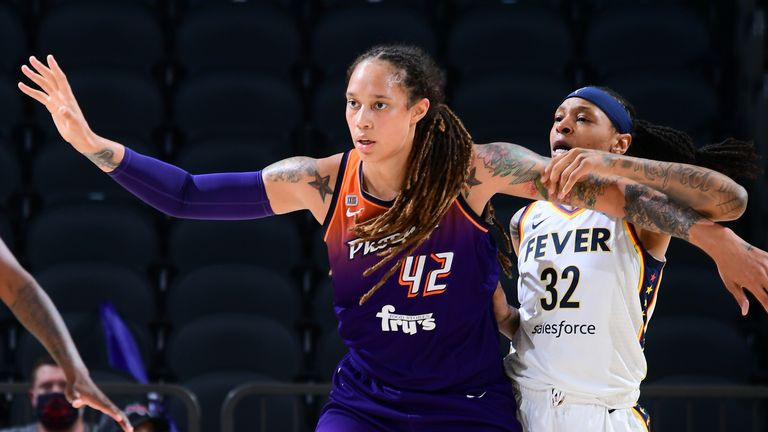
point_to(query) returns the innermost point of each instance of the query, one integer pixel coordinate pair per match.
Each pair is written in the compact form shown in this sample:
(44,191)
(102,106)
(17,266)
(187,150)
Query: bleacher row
(233,86)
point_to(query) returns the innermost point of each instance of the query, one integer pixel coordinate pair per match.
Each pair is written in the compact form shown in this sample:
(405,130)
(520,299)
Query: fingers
(741,298)
(122,420)
(57,72)
(569,177)
(761,294)
(61,79)
(553,172)
(34,94)
(36,78)
(44,71)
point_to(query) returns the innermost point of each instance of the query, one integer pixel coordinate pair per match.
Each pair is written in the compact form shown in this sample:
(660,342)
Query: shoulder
(330,163)
(514,223)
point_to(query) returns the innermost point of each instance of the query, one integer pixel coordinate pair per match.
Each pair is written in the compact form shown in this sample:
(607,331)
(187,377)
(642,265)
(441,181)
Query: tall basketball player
(589,279)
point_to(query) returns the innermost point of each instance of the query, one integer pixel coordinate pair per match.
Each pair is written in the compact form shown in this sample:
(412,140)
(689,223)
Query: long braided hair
(732,157)
(438,163)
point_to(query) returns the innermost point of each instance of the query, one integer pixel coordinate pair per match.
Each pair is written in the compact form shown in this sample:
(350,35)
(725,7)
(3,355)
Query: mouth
(364,144)
(560,147)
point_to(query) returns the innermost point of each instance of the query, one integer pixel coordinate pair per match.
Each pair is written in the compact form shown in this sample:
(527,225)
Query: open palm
(56,95)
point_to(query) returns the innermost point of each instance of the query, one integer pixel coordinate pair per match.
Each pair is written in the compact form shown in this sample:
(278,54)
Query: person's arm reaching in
(34,309)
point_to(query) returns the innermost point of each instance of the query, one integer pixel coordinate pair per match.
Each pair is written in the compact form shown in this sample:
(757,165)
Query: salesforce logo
(563,328)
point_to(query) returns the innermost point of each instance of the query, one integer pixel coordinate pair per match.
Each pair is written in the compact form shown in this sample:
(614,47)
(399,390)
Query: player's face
(580,123)
(380,120)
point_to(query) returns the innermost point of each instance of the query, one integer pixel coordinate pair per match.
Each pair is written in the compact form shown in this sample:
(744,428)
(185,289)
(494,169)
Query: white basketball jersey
(587,290)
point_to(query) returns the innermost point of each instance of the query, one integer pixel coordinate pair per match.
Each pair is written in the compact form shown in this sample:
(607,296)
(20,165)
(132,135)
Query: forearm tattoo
(509,161)
(37,314)
(587,191)
(730,201)
(104,158)
(298,169)
(694,178)
(648,209)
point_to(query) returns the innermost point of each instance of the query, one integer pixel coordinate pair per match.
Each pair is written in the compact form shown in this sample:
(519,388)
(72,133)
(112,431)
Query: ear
(622,144)
(419,110)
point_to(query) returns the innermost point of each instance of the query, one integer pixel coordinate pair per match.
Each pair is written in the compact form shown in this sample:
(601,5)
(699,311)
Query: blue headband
(608,104)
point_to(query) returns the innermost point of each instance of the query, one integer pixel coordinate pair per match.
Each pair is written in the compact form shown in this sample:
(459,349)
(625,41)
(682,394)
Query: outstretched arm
(289,185)
(36,312)
(712,194)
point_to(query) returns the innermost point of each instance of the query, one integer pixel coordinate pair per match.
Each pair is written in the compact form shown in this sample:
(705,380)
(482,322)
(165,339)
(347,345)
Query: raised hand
(56,95)
(567,169)
(742,267)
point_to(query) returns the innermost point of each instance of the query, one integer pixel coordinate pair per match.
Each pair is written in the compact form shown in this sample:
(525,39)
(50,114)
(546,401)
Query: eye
(380,105)
(582,119)
(351,103)
(558,118)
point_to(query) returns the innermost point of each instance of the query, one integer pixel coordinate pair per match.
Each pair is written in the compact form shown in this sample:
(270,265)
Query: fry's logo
(408,324)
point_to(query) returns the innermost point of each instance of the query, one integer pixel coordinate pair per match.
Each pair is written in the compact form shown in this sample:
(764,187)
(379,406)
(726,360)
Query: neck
(384,180)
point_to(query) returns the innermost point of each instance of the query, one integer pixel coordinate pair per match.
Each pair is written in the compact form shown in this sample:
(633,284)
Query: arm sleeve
(175,192)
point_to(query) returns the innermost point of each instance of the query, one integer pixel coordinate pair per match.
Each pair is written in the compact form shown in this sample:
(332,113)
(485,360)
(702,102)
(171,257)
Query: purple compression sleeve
(175,192)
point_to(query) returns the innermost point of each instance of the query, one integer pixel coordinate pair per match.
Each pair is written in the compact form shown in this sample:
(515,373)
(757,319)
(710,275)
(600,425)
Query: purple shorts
(360,403)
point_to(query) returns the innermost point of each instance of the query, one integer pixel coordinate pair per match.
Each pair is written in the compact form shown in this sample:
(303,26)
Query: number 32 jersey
(587,289)
(431,325)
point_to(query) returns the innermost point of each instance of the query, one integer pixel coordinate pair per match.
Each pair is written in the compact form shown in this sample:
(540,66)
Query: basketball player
(400,212)
(588,280)
(34,309)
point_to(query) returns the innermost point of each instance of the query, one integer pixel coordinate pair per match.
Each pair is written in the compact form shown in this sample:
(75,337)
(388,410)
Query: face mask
(54,412)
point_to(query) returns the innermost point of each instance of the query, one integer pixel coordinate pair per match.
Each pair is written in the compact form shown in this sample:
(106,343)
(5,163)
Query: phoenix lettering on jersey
(368,247)
(563,328)
(408,324)
(576,241)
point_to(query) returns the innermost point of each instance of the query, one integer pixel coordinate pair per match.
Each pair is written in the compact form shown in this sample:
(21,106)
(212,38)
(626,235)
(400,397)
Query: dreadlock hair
(438,163)
(732,157)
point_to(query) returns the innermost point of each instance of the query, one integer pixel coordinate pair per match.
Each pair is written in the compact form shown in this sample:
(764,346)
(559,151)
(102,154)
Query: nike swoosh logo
(535,225)
(353,213)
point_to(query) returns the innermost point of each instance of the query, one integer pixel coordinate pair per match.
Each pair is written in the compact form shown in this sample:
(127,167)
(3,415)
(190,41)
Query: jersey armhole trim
(650,259)
(335,197)
(470,214)
(526,212)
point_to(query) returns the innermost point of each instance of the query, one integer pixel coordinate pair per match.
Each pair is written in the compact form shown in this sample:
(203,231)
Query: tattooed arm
(36,312)
(712,194)
(299,183)
(741,265)
(511,169)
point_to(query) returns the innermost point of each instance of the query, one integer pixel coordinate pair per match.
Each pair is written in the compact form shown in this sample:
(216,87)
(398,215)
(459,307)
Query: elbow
(731,206)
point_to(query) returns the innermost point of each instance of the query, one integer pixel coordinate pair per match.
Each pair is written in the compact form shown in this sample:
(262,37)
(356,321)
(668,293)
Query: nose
(363,119)
(564,127)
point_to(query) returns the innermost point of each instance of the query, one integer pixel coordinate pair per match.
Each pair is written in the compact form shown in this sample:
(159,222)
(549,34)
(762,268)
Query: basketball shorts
(548,411)
(361,403)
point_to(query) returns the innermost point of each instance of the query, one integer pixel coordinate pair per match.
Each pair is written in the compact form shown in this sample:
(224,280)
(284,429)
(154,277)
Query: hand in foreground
(743,267)
(567,169)
(82,391)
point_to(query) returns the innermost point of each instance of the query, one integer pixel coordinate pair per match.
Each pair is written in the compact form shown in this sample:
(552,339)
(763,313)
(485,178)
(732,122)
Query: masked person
(51,409)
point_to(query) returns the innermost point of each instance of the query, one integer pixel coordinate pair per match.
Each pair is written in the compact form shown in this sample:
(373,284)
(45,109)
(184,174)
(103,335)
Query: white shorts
(547,411)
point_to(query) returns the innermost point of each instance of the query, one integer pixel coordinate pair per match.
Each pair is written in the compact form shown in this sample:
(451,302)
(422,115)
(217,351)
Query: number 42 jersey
(587,289)
(431,325)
